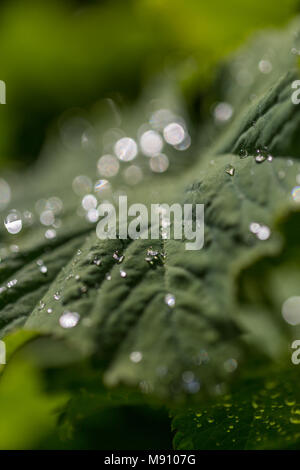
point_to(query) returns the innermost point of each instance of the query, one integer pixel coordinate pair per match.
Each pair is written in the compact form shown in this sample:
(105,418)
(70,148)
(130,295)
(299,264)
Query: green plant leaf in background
(197,345)
(54,54)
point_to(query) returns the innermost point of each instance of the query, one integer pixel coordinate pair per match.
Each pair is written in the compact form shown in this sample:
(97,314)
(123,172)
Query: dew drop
(154,257)
(117,257)
(81,185)
(254,227)
(262,232)
(161,118)
(265,66)
(97,261)
(159,163)
(50,234)
(174,133)
(89,202)
(133,175)
(92,215)
(108,166)
(151,143)
(136,356)
(57,296)
(223,112)
(69,319)
(260,158)
(185,144)
(47,217)
(291,310)
(126,149)
(12,283)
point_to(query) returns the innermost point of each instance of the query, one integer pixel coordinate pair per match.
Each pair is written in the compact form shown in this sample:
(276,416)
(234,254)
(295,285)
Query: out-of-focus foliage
(56,55)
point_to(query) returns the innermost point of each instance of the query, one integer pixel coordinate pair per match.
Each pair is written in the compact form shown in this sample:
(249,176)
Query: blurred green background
(62,54)
(57,55)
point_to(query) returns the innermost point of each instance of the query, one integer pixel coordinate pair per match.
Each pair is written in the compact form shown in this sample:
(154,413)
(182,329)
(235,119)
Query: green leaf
(128,314)
(136,317)
(228,296)
(28,413)
(261,412)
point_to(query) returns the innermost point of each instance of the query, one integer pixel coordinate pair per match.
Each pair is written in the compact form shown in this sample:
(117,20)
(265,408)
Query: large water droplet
(69,319)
